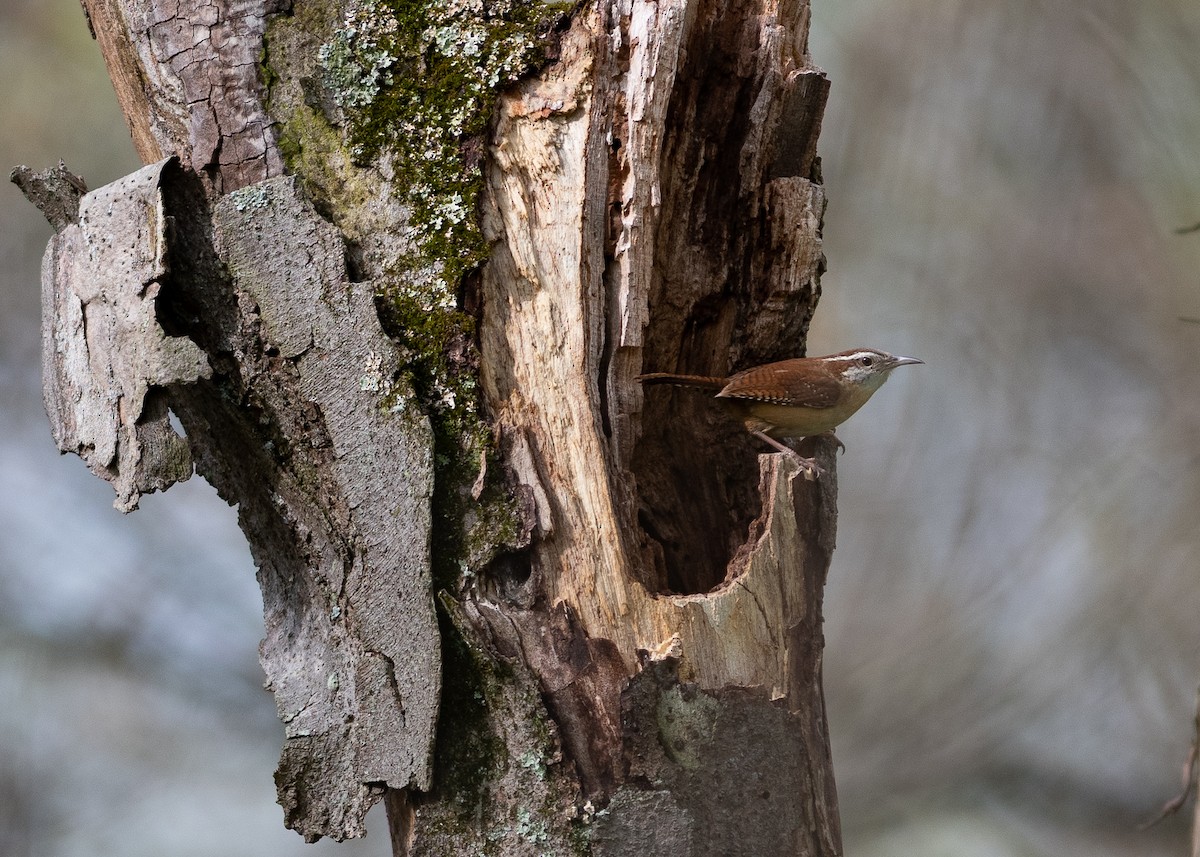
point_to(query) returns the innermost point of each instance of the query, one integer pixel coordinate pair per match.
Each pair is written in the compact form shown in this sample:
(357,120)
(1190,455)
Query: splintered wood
(653,201)
(565,330)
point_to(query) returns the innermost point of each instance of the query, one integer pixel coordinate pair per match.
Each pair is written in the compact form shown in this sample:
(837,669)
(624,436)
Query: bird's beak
(904,361)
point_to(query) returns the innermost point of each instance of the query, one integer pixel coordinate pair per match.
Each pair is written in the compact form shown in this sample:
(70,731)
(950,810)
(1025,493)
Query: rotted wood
(712,266)
(689,240)
(686,765)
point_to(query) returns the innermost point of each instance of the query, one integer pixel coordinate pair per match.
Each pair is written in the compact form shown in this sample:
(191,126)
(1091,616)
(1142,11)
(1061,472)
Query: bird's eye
(866,361)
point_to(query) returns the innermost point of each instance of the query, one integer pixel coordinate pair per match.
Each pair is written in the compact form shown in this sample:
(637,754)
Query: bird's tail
(701,381)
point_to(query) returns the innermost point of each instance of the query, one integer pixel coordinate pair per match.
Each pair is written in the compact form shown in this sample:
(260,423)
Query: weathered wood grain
(647,214)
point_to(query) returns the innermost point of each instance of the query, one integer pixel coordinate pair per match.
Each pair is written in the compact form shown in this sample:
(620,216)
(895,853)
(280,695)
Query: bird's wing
(780,383)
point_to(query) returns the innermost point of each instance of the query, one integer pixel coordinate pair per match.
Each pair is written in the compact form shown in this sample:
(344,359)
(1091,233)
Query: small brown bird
(797,398)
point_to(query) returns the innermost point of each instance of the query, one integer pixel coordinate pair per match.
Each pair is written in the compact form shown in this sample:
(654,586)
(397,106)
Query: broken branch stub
(105,359)
(55,191)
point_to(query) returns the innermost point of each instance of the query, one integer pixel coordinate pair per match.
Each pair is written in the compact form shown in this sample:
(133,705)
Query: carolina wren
(797,398)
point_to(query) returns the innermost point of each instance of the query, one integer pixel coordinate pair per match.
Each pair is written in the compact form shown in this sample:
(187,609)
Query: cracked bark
(187,78)
(644,675)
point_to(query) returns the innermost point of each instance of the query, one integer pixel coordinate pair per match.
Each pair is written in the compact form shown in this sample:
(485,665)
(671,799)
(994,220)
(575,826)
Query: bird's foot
(808,466)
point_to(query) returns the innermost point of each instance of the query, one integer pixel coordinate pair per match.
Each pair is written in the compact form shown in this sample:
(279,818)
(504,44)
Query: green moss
(405,89)
(402,98)
(580,838)
(429,330)
(468,753)
(315,151)
(471,523)
(417,79)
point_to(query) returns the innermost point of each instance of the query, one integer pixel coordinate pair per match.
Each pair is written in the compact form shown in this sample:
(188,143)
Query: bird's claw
(809,467)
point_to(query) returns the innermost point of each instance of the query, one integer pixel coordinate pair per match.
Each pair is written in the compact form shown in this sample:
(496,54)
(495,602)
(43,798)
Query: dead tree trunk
(395,266)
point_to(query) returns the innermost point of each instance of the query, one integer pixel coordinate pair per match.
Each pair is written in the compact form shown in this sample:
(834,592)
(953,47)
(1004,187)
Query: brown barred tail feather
(701,381)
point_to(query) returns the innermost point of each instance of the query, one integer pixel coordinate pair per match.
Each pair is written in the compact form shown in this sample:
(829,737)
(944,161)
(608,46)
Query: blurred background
(1012,631)
(1012,615)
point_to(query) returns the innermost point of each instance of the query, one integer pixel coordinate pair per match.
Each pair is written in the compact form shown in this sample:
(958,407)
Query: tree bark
(535,610)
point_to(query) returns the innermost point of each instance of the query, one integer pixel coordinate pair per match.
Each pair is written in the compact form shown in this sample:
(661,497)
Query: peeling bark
(351,650)
(247,327)
(105,360)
